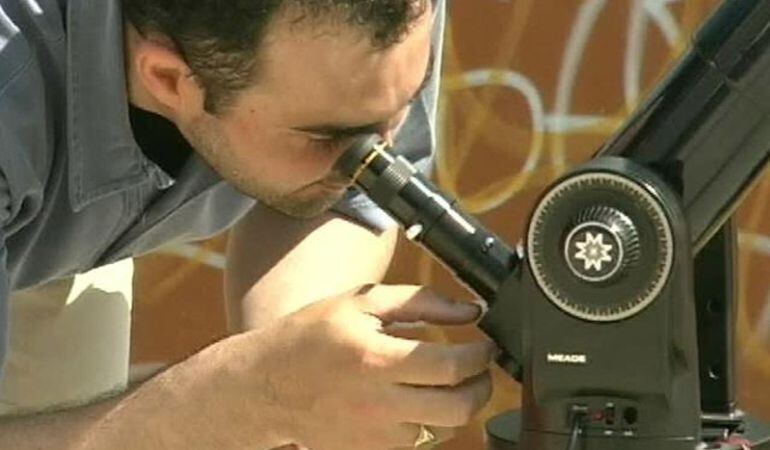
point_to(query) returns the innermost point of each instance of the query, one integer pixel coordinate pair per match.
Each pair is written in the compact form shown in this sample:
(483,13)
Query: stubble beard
(213,147)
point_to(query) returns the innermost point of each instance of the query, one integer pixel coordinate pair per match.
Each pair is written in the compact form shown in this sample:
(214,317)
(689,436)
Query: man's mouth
(334,187)
(336,182)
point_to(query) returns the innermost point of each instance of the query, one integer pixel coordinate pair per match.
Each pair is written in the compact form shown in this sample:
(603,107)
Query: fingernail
(483,308)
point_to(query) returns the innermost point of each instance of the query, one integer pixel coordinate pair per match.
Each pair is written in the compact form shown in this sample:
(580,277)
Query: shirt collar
(104,157)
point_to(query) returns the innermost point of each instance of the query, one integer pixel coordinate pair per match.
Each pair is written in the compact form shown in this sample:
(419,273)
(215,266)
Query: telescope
(616,310)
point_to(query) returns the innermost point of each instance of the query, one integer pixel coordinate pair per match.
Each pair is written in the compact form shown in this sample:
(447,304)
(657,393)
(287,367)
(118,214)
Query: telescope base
(503,434)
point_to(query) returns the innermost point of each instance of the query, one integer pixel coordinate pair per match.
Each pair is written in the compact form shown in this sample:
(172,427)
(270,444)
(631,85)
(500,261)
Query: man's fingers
(429,364)
(443,406)
(415,304)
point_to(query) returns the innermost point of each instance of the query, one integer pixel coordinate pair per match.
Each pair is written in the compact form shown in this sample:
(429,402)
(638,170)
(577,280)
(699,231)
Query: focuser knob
(601,245)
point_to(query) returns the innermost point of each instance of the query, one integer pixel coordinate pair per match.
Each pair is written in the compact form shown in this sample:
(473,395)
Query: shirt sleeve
(4,278)
(4,293)
(416,140)
(7,147)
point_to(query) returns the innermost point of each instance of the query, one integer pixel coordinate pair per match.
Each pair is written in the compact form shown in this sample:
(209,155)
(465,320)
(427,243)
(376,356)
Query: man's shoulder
(32,73)
(32,55)
(15,54)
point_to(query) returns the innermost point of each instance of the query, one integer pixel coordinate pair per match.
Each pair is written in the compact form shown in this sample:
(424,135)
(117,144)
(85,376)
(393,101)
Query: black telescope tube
(706,129)
(476,256)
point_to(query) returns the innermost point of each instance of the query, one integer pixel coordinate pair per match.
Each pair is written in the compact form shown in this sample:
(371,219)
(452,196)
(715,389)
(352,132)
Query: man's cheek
(297,173)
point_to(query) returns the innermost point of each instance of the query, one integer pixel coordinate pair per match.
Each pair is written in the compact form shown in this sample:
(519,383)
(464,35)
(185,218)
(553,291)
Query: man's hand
(337,378)
(341,382)
(327,377)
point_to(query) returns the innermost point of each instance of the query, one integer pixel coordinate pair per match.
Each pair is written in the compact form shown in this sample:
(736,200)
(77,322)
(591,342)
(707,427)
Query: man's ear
(166,77)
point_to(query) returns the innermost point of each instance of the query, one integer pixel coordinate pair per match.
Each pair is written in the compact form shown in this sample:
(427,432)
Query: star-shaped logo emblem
(593,251)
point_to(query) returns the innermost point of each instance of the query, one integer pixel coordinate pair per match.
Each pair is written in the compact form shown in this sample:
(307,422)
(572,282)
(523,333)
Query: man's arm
(277,265)
(61,429)
(189,406)
(275,384)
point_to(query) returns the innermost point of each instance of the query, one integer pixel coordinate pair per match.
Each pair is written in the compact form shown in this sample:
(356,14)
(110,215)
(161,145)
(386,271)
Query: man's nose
(390,129)
(388,132)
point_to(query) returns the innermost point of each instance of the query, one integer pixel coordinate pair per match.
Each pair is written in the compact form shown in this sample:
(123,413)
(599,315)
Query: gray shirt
(76,192)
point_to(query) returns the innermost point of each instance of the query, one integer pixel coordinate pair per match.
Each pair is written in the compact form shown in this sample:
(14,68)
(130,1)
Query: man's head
(270,92)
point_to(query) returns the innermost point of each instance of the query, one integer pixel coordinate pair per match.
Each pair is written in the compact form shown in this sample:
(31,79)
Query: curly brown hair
(219,39)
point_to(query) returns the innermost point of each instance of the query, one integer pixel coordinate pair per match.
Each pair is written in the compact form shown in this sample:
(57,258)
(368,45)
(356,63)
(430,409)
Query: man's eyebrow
(344,131)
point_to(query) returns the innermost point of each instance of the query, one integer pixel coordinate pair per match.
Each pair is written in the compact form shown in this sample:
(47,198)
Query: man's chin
(303,208)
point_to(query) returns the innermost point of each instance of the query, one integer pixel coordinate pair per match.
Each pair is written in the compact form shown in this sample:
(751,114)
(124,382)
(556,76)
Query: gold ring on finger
(426,439)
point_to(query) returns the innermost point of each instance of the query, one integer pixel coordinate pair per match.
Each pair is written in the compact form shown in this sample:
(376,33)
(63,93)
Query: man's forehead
(306,64)
(294,29)
(329,127)
(376,20)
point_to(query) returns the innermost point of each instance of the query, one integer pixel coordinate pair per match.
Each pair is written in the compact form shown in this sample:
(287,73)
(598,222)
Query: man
(128,126)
